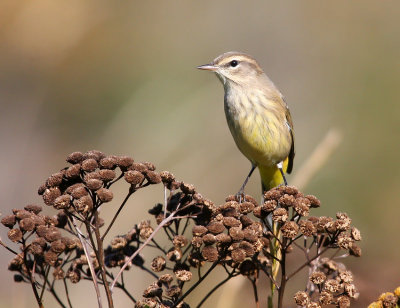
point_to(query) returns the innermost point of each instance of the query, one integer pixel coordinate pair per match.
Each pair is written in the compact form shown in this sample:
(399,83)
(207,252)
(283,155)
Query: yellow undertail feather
(271,176)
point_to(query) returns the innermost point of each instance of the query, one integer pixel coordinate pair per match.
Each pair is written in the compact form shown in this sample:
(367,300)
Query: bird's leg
(241,190)
(280,166)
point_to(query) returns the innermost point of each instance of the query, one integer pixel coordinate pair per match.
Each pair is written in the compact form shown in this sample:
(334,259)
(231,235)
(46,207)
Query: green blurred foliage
(120,77)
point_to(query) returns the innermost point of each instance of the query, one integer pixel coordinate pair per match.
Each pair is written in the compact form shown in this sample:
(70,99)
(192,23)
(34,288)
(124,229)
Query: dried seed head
(27,224)
(290,190)
(104,194)
(107,175)
(183,275)
(179,241)
(343,224)
(118,243)
(62,202)
(273,194)
(290,229)
(58,246)
(317,278)
(152,177)
(344,241)
(231,222)
(84,204)
(209,238)
(355,250)
(166,278)
(248,248)
(50,257)
(158,264)
(167,177)
(245,220)
(79,192)
(215,227)
(153,290)
(280,215)
(302,206)
(199,230)
(41,189)
(307,228)
(331,285)
(14,235)
(33,208)
(197,241)
(238,255)
(188,188)
(134,177)
(50,194)
(58,273)
(325,298)
(355,234)
(173,291)
(343,301)
(21,214)
(314,202)
(350,290)
(269,206)
(8,221)
(54,179)
(246,207)
(174,254)
(301,298)
(345,276)
(96,155)
(51,234)
(322,221)
(236,233)
(74,276)
(73,171)
(109,162)
(210,253)
(124,162)
(287,200)
(248,198)
(16,263)
(223,238)
(94,184)
(75,158)
(250,235)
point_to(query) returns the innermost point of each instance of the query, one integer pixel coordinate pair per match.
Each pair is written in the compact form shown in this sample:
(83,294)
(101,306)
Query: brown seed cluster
(234,235)
(230,236)
(387,299)
(85,184)
(332,285)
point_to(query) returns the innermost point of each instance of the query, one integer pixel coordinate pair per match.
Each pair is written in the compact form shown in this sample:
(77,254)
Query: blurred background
(120,77)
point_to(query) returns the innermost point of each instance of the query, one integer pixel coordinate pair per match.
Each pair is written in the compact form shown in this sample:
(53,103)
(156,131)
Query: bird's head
(235,67)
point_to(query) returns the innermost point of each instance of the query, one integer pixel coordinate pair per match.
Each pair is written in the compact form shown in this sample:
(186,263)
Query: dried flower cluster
(330,284)
(387,299)
(241,236)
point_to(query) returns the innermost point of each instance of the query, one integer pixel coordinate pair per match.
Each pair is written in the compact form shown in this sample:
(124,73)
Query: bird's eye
(234,63)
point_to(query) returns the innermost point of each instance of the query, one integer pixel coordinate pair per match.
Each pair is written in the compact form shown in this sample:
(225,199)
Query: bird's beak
(208,67)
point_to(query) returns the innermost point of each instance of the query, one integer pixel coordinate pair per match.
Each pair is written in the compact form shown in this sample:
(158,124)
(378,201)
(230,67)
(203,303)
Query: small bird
(257,115)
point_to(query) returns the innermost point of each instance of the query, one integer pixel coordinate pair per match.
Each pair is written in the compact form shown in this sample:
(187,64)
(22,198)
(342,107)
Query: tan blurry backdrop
(119,76)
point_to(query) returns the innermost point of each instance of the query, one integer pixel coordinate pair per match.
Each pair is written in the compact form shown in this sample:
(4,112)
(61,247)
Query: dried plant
(241,236)
(387,299)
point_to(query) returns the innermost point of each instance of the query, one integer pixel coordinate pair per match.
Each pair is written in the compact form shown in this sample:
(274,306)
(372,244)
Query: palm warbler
(257,115)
